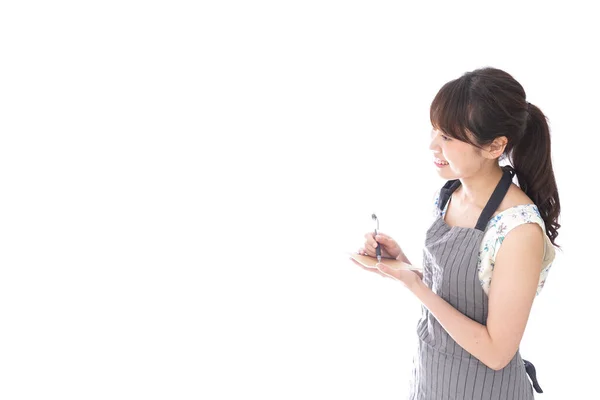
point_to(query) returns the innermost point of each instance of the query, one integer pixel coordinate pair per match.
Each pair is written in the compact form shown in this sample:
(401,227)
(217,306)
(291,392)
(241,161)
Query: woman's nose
(433,145)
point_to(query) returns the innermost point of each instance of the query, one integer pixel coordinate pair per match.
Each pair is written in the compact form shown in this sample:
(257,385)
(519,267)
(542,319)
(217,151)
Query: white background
(180,182)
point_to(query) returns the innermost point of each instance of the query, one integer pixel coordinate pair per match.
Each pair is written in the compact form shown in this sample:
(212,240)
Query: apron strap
(530,369)
(446,191)
(493,203)
(496,198)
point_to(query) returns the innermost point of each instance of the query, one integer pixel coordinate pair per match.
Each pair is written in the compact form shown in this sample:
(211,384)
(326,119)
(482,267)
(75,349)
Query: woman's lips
(440,163)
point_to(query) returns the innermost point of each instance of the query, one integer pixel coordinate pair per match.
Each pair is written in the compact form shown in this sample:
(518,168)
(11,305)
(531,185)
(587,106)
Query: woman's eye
(445,138)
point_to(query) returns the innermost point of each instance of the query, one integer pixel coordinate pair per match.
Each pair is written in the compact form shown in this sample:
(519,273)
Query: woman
(489,249)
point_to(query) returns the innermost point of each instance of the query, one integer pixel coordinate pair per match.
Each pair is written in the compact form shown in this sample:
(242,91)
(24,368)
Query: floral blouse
(496,230)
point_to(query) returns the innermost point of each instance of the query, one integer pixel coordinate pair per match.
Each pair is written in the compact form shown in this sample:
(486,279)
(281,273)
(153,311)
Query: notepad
(370,262)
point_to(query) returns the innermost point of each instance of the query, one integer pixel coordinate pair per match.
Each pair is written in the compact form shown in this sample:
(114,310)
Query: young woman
(488,252)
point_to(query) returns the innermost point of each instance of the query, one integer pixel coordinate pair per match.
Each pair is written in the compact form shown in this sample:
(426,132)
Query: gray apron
(442,368)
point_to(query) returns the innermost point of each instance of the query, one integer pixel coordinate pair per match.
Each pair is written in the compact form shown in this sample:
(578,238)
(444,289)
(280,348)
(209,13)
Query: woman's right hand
(389,247)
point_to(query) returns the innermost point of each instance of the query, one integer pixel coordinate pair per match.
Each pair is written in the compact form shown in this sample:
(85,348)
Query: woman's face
(453,158)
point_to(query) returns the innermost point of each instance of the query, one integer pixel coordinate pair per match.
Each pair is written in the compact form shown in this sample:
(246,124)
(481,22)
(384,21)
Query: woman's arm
(511,294)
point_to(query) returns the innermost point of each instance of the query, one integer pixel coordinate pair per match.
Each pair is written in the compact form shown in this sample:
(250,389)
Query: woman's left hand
(408,277)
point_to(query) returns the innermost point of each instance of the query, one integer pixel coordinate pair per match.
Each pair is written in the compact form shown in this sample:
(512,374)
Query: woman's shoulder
(515,198)
(518,209)
(515,209)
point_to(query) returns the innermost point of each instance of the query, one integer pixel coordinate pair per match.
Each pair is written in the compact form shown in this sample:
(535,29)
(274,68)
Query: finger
(370,246)
(369,250)
(383,238)
(370,239)
(379,239)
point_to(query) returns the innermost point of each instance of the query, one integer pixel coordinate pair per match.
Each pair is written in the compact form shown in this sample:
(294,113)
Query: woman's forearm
(469,334)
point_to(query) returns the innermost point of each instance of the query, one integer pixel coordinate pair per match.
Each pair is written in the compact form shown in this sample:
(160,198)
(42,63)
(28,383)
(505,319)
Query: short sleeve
(497,229)
(436,202)
(436,206)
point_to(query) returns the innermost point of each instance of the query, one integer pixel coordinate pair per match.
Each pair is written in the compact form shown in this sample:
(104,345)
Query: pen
(378,248)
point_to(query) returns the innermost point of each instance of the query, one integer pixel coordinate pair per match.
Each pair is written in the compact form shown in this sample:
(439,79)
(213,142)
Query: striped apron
(442,368)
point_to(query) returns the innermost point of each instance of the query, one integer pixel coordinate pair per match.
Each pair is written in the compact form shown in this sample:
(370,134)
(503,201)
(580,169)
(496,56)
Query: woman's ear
(496,148)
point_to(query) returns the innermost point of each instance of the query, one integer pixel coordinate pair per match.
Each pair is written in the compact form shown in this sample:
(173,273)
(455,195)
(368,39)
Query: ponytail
(533,165)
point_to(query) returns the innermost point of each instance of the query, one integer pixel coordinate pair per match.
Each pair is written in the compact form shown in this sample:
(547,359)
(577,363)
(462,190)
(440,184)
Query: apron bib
(442,368)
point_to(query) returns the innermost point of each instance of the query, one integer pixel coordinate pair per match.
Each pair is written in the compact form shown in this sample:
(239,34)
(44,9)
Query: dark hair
(487,103)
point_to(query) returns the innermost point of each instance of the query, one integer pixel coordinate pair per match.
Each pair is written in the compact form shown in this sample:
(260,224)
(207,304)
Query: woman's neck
(477,189)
